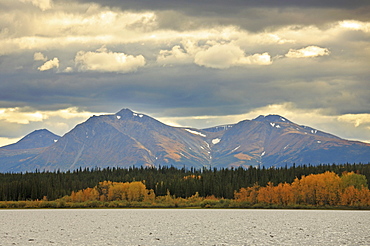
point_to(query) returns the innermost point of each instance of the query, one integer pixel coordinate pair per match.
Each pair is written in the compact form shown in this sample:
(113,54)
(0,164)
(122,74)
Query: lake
(183,227)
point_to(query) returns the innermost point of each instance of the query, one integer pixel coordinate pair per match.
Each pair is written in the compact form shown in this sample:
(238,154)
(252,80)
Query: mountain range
(128,139)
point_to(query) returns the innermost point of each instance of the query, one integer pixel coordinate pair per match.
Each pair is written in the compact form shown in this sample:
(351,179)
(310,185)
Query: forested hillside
(183,182)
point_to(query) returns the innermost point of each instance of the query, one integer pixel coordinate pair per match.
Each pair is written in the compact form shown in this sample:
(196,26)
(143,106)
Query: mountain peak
(272,118)
(128,113)
(36,139)
(124,111)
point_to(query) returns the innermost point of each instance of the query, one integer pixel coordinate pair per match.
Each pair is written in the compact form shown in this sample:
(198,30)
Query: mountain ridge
(129,139)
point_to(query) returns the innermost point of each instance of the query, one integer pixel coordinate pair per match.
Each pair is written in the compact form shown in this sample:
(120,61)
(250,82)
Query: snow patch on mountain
(207,144)
(216,140)
(236,148)
(275,125)
(196,133)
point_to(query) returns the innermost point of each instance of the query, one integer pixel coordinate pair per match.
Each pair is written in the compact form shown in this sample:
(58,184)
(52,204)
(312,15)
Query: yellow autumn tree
(136,191)
(118,191)
(317,189)
(248,194)
(103,189)
(328,188)
(149,196)
(266,194)
(113,191)
(364,197)
(282,194)
(303,191)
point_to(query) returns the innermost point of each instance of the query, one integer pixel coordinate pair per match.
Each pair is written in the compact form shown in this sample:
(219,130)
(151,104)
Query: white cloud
(107,61)
(355,119)
(176,55)
(70,27)
(38,56)
(25,115)
(310,51)
(70,113)
(42,4)
(224,56)
(13,121)
(355,25)
(19,116)
(49,65)
(68,70)
(6,141)
(66,26)
(256,59)
(219,56)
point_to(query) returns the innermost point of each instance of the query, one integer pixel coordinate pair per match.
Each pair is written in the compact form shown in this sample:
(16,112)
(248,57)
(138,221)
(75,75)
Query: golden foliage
(325,189)
(192,177)
(113,191)
(317,189)
(248,194)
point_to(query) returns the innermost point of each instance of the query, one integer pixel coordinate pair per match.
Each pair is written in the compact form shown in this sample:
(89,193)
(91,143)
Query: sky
(186,63)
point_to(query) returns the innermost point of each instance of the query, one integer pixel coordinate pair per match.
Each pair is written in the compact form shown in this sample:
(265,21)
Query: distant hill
(129,139)
(29,146)
(36,139)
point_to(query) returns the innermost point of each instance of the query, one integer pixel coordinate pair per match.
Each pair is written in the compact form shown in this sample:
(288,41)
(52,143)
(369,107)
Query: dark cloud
(201,90)
(224,6)
(253,15)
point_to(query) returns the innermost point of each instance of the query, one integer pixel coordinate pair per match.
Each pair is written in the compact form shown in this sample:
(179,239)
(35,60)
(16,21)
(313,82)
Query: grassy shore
(176,203)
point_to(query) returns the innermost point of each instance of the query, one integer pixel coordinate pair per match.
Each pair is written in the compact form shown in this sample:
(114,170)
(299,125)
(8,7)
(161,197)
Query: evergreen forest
(162,181)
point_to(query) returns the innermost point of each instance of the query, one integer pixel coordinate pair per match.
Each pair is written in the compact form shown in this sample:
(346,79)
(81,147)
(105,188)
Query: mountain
(36,139)
(275,141)
(123,139)
(129,139)
(26,148)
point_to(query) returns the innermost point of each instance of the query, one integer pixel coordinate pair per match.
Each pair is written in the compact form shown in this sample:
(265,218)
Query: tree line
(182,183)
(325,190)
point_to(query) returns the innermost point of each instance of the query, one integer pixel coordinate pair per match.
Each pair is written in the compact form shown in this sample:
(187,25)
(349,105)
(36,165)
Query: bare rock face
(129,139)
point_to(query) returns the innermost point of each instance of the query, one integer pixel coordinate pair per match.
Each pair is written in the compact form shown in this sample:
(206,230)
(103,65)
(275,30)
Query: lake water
(183,227)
